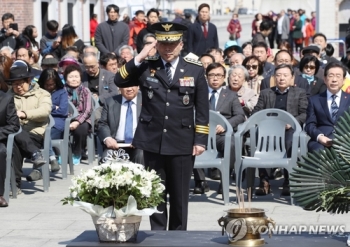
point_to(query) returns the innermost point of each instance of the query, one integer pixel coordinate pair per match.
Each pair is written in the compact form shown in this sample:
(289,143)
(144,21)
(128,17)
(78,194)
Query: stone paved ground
(38,219)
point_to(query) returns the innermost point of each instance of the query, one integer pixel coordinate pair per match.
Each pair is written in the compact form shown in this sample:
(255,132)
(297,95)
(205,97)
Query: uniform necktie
(334,107)
(128,134)
(168,73)
(212,100)
(205,30)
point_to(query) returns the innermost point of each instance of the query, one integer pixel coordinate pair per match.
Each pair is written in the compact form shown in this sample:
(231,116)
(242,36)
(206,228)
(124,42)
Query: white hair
(7,48)
(126,47)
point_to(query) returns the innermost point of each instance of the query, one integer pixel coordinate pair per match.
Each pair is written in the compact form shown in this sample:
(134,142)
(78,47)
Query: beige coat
(249,97)
(36,104)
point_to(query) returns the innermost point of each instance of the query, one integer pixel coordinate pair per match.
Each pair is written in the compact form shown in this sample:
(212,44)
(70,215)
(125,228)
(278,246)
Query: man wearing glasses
(99,81)
(225,101)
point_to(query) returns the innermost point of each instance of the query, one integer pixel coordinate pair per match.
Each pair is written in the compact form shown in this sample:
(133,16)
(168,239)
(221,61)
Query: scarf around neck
(309,78)
(75,93)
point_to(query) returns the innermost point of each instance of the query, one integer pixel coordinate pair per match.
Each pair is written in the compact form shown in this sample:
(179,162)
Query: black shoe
(84,156)
(55,167)
(215,174)
(277,173)
(285,189)
(219,191)
(264,188)
(38,160)
(35,175)
(201,187)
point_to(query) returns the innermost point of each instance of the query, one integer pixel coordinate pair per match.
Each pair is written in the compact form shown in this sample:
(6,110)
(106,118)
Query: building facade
(38,12)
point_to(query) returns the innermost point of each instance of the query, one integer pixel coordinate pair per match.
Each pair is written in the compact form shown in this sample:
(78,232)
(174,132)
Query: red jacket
(232,26)
(93,26)
(134,31)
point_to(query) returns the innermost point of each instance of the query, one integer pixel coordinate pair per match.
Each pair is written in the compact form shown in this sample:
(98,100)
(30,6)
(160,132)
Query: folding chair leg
(64,160)
(70,160)
(91,148)
(13,183)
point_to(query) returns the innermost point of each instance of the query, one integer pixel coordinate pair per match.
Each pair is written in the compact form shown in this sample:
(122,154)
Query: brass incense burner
(244,226)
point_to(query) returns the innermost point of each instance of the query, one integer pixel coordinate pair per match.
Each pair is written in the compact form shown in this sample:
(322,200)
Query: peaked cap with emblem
(168,31)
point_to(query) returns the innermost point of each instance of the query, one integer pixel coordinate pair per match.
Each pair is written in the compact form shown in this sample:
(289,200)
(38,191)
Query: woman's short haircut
(307,59)
(260,65)
(70,68)
(238,66)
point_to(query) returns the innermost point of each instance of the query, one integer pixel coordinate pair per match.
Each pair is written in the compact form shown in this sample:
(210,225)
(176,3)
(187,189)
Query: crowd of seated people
(242,80)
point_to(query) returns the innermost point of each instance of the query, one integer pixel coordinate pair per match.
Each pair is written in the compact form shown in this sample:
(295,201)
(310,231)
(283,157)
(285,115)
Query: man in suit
(202,34)
(260,50)
(287,98)
(282,27)
(99,81)
(173,124)
(226,102)
(325,108)
(116,121)
(9,123)
(284,57)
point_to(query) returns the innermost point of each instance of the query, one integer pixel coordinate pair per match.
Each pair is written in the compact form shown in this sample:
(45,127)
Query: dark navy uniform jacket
(173,118)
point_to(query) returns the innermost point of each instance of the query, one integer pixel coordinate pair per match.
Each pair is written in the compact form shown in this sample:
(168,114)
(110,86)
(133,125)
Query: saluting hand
(197,150)
(144,53)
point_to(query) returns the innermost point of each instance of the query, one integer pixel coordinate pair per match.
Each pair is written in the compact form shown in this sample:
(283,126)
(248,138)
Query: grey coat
(106,87)
(109,36)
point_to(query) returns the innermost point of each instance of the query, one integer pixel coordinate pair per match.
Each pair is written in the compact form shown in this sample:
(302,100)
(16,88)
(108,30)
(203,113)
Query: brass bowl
(244,226)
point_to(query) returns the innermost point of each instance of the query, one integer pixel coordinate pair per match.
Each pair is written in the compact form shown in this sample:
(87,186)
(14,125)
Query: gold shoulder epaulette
(193,61)
(152,58)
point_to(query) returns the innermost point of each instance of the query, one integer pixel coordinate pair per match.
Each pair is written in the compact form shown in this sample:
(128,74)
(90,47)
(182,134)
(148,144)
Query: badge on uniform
(186,99)
(150,94)
(187,82)
(152,72)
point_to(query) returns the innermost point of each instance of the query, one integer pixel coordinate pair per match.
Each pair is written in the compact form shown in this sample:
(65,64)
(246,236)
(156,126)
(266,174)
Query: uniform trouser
(175,172)
(26,143)
(3,152)
(199,174)
(79,138)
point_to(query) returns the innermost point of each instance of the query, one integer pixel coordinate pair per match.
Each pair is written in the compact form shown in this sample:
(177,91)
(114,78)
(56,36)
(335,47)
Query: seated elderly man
(287,98)
(226,102)
(126,52)
(236,59)
(33,106)
(9,124)
(99,81)
(324,109)
(118,122)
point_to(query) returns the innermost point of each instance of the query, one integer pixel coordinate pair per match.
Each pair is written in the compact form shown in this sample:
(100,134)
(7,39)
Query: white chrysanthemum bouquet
(113,182)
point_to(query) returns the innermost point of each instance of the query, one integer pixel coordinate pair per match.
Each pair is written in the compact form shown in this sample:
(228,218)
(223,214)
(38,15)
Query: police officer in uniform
(173,125)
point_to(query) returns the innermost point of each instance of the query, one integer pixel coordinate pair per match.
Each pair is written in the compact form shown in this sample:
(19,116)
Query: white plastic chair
(268,150)
(210,158)
(91,137)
